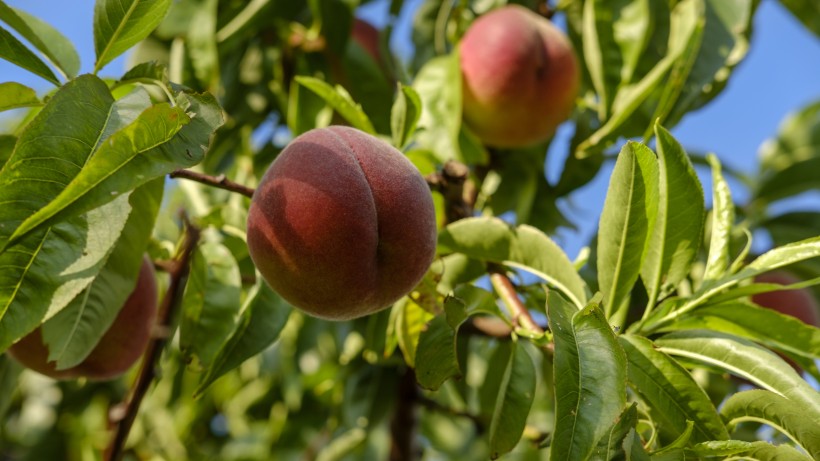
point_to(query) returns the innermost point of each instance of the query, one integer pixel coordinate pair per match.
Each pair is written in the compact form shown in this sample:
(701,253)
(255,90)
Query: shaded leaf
(436,359)
(74,332)
(723,218)
(806,12)
(611,446)
(590,378)
(673,395)
(210,303)
(405,115)
(673,243)
(438,85)
(512,405)
(628,214)
(261,320)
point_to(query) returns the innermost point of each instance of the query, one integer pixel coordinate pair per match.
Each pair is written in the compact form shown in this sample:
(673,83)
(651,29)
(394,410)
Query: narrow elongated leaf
(762,325)
(673,243)
(768,452)
(160,140)
(121,24)
(14,95)
(611,446)
(339,99)
(723,218)
(628,214)
(74,332)
(263,316)
(778,412)
(9,379)
(746,359)
(210,303)
(411,319)
(436,359)
(590,378)
(790,181)
(523,247)
(13,51)
(671,392)
(48,40)
(513,403)
(405,115)
(723,447)
(806,12)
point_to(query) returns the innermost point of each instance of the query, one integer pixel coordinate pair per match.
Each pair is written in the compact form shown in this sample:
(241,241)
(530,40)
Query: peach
(520,77)
(118,349)
(342,224)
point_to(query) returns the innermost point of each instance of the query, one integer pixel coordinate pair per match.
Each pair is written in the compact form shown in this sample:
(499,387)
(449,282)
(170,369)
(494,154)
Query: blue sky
(780,74)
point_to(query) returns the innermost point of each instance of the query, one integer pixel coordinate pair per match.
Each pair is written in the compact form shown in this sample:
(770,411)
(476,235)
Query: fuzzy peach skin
(119,348)
(520,77)
(342,224)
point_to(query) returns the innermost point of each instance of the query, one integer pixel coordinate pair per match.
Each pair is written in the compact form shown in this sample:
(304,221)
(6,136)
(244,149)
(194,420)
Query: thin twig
(124,414)
(506,290)
(216,181)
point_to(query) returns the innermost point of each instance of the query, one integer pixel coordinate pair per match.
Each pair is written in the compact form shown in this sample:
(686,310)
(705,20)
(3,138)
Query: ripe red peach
(342,224)
(118,349)
(520,77)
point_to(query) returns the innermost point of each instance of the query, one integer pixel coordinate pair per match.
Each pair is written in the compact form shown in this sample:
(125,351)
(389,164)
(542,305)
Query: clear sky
(780,74)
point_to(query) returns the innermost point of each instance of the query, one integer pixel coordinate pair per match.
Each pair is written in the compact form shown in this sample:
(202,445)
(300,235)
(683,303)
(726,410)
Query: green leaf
(784,159)
(41,274)
(74,332)
(14,95)
(9,380)
(438,85)
(411,319)
(522,247)
(791,227)
(7,143)
(121,24)
(610,447)
(673,243)
(723,218)
(805,11)
(405,115)
(633,447)
(436,359)
(726,35)
(201,44)
(722,447)
(670,391)
(768,452)
(151,72)
(210,303)
(762,325)
(48,40)
(746,359)
(339,99)
(13,51)
(513,402)
(160,140)
(590,378)
(628,214)
(261,320)
(778,412)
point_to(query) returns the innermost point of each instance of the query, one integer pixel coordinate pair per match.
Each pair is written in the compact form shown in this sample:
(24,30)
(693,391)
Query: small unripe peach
(342,224)
(118,349)
(799,303)
(520,77)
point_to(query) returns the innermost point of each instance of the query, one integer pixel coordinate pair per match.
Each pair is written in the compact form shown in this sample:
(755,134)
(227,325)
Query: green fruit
(342,224)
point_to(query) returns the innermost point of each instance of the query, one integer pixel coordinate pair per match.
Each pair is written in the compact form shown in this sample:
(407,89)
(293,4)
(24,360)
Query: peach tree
(271,237)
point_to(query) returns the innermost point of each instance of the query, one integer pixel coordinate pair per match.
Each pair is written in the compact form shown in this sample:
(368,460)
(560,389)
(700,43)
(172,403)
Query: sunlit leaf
(14,95)
(405,115)
(339,99)
(121,24)
(723,218)
(48,40)
(13,51)
(522,247)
